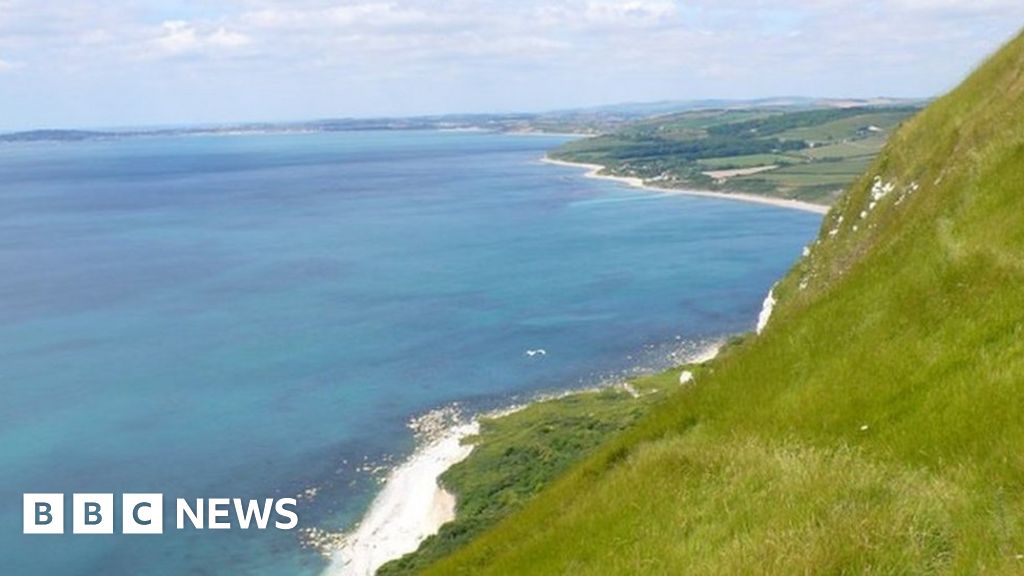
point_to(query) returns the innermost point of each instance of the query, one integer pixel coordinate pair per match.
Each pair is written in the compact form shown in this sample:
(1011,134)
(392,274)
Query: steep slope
(874,427)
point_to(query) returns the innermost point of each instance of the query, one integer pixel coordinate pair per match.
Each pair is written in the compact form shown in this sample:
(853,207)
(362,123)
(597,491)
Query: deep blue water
(251,316)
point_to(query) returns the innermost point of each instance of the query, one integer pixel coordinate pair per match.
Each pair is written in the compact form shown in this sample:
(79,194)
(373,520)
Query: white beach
(411,507)
(594,171)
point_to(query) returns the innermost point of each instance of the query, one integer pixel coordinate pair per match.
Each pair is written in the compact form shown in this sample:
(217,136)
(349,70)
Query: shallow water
(252,316)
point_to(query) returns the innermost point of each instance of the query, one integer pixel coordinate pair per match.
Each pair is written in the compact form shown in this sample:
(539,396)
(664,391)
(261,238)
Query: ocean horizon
(261,315)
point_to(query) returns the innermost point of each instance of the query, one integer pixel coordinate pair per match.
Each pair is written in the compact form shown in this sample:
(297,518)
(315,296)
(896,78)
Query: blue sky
(81,63)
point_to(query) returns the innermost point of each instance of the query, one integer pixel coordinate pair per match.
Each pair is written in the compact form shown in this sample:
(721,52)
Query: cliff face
(874,426)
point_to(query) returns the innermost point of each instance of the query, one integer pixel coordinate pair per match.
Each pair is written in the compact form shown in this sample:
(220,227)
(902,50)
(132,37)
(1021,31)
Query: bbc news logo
(144,513)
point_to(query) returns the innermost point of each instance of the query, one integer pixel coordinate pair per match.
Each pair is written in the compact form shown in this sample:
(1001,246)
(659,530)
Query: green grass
(865,148)
(749,161)
(836,174)
(789,180)
(693,506)
(516,455)
(875,427)
(850,127)
(819,182)
(677,149)
(689,124)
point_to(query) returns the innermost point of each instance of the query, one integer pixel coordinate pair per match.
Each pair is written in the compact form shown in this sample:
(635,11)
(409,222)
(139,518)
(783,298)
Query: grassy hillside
(806,154)
(517,455)
(875,427)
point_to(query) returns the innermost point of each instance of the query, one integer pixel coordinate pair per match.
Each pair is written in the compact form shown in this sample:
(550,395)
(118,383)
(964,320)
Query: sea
(261,315)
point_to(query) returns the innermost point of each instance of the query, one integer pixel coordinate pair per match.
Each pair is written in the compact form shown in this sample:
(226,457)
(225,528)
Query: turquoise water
(252,316)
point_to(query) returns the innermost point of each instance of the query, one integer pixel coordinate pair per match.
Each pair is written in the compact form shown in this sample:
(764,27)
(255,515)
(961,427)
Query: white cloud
(361,16)
(605,14)
(959,6)
(224,38)
(95,37)
(180,37)
(7,65)
(631,12)
(326,57)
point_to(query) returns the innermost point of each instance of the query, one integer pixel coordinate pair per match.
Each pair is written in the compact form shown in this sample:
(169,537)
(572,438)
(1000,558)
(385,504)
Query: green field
(798,175)
(677,149)
(748,161)
(689,124)
(859,148)
(848,127)
(873,428)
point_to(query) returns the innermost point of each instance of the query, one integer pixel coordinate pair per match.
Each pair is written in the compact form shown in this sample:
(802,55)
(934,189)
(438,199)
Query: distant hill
(593,120)
(53,135)
(782,102)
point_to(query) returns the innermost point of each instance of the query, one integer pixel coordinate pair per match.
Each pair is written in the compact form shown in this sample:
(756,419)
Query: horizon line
(199,124)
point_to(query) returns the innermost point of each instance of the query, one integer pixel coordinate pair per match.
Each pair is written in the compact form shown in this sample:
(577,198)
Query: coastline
(410,507)
(594,171)
(543,133)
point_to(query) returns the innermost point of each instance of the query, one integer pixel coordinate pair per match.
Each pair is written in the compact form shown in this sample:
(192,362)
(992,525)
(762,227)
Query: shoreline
(412,505)
(594,171)
(543,133)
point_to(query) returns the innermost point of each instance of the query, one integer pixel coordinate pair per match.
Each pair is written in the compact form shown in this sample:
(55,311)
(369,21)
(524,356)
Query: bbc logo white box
(43,514)
(142,513)
(92,514)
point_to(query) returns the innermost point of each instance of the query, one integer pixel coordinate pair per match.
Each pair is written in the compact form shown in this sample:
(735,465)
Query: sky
(112,63)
